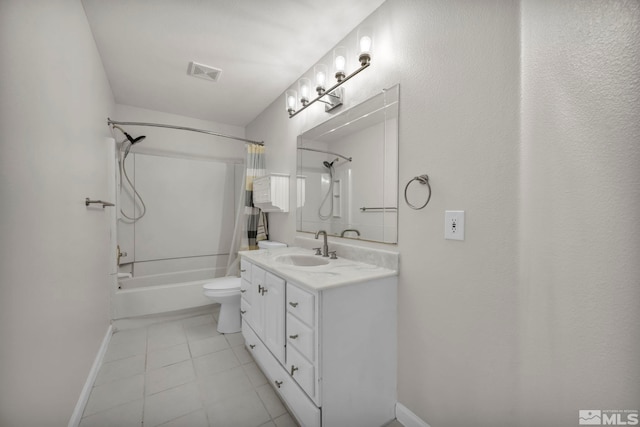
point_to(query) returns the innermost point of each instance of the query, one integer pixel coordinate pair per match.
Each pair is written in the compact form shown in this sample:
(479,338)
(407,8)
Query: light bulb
(340,62)
(304,87)
(290,101)
(365,44)
(320,71)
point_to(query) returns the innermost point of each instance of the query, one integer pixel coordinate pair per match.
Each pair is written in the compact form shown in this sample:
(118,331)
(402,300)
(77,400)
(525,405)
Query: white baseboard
(91,379)
(408,418)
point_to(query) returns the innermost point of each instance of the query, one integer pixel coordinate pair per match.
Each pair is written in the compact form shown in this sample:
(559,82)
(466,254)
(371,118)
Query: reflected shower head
(134,140)
(329,165)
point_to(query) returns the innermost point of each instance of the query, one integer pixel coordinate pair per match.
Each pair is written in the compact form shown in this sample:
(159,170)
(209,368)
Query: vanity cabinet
(264,302)
(330,353)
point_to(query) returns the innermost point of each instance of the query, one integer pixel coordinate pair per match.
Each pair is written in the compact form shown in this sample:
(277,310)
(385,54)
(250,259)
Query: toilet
(226,291)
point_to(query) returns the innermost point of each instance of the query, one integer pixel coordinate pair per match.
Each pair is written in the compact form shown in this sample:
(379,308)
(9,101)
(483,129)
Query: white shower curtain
(251,222)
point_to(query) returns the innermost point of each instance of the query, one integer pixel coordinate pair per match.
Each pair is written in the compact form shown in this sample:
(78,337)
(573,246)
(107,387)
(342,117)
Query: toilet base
(229,319)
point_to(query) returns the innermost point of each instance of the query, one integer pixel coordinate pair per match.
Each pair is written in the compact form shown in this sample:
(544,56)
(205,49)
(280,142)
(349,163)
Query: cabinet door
(257,312)
(274,315)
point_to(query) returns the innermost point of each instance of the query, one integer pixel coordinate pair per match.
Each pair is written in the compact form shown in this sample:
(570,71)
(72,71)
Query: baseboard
(408,418)
(91,379)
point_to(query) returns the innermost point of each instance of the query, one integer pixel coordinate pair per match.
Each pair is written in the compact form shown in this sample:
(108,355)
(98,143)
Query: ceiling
(262,47)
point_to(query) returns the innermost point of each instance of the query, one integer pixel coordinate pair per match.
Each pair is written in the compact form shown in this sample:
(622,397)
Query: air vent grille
(203,71)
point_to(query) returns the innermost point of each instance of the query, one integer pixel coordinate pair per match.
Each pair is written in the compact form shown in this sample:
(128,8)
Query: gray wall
(54,286)
(534,316)
(579,245)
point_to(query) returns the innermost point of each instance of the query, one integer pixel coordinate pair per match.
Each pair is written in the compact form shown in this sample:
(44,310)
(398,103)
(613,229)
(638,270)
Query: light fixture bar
(331,89)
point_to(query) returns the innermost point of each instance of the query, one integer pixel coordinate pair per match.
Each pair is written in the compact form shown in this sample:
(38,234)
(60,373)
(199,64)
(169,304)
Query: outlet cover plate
(454,225)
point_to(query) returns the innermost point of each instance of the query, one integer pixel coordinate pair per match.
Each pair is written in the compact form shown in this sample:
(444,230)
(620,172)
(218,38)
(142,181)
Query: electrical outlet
(454,225)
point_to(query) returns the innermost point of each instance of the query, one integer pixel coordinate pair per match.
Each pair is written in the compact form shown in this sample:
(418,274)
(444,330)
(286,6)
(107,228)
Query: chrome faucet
(325,247)
(349,229)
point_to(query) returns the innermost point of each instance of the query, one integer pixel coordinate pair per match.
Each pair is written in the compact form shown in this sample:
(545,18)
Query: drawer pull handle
(293,337)
(293,369)
(278,383)
(243,271)
(293,304)
(243,311)
(252,346)
(264,290)
(243,290)
(260,288)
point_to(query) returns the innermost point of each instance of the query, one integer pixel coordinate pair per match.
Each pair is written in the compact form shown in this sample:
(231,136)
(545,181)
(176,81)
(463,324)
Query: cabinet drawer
(302,371)
(303,409)
(245,288)
(245,309)
(301,304)
(251,340)
(301,337)
(245,269)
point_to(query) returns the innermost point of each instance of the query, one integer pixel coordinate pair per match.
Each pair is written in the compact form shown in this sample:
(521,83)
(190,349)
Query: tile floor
(182,373)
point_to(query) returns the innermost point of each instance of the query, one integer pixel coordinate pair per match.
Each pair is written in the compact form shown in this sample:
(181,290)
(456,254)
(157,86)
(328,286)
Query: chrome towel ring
(422,179)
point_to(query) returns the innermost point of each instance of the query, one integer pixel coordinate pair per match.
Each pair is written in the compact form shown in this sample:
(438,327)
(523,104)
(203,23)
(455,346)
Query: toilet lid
(223,283)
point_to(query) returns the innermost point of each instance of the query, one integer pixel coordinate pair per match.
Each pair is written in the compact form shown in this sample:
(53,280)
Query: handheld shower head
(134,140)
(329,165)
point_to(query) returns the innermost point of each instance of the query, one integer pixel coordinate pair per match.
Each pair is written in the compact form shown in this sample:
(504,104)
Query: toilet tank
(270,244)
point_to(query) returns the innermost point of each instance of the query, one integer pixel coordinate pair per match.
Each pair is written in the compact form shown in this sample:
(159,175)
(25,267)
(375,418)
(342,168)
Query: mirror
(347,179)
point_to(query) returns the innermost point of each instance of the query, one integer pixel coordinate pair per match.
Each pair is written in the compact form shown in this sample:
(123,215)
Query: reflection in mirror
(347,181)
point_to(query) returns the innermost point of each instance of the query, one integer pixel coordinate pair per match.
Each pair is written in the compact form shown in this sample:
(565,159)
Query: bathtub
(161,293)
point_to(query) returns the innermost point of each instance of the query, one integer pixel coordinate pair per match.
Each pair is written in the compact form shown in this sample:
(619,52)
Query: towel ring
(422,179)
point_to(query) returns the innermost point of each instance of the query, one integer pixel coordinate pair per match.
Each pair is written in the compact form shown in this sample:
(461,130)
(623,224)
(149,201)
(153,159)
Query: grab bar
(391,208)
(88,202)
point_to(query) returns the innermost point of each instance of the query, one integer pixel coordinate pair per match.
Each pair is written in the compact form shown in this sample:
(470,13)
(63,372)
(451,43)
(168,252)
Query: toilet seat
(222,287)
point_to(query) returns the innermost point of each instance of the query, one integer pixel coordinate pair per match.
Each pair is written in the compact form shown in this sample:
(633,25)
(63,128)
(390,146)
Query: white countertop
(339,272)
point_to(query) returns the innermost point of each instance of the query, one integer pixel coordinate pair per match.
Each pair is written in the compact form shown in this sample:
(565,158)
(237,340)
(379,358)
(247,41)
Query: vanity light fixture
(333,96)
(290,101)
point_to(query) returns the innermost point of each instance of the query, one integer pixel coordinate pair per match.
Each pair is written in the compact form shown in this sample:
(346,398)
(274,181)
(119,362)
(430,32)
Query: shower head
(329,165)
(134,140)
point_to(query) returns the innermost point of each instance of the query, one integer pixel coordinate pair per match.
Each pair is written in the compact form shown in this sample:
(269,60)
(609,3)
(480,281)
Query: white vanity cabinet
(334,363)
(264,307)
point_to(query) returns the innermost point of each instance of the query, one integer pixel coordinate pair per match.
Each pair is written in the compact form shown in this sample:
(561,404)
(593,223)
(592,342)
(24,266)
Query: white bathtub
(161,293)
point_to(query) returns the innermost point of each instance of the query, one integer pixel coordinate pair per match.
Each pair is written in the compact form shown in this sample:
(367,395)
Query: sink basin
(302,260)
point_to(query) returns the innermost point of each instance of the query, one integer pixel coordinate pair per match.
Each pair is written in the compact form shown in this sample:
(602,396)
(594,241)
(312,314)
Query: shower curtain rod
(159,125)
(326,152)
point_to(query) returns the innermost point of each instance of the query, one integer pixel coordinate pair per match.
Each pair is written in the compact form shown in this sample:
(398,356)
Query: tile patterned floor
(182,373)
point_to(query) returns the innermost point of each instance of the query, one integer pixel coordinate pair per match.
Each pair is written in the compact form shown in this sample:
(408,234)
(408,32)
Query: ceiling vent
(203,71)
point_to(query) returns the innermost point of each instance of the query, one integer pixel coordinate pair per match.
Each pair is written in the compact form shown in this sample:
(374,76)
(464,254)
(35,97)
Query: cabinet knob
(252,346)
(293,369)
(243,290)
(293,304)
(293,337)
(278,383)
(264,290)
(242,271)
(243,311)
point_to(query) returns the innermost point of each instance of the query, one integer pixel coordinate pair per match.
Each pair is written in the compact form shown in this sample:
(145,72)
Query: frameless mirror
(347,179)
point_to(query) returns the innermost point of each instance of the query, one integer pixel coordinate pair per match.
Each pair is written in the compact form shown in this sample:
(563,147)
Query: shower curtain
(251,222)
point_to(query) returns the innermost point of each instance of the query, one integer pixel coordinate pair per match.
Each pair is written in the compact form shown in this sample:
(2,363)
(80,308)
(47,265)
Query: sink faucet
(325,247)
